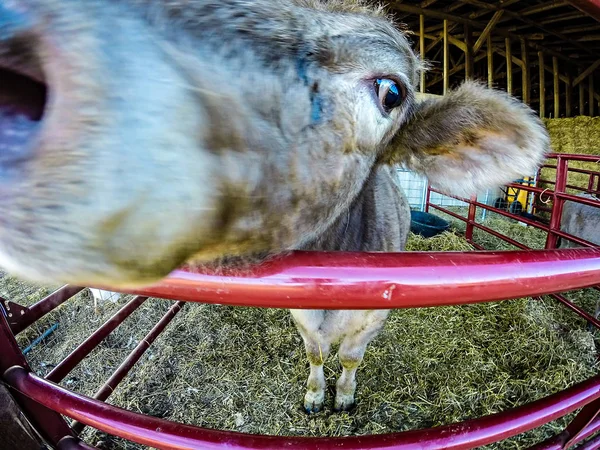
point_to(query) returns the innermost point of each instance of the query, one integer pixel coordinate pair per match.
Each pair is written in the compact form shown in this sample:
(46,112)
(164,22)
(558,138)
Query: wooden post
(569,95)
(542,107)
(422,48)
(16,431)
(556,87)
(468,53)
(591,93)
(525,72)
(581,100)
(509,72)
(446,58)
(490,62)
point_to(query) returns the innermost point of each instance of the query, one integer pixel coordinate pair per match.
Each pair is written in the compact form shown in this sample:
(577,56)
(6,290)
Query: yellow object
(520,195)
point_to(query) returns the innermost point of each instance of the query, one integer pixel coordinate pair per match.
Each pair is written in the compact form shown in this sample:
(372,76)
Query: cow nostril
(22,104)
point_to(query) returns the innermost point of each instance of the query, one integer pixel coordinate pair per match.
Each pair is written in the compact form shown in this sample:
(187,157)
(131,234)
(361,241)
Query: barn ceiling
(555,26)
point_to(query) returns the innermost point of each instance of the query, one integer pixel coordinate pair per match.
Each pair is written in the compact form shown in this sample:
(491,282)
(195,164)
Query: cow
(137,135)
(580,220)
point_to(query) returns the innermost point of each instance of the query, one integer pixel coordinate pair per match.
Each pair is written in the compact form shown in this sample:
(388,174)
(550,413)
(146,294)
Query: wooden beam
(591,8)
(542,87)
(490,62)
(569,96)
(434,43)
(591,95)
(525,74)
(422,48)
(586,72)
(562,78)
(475,24)
(543,7)
(530,22)
(513,58)
(446,58)
(469,53)
(556,87)
(456,69)
(457,43)
(509,71)
(487,30)
(581,100)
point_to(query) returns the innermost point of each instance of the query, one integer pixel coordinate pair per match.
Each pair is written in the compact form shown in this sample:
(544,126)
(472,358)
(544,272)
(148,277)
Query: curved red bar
(163,434)
(342,280)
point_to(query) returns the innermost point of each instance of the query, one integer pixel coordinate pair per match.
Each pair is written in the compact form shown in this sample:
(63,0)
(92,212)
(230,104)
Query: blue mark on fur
(12,22)
(316,99)
(316,103)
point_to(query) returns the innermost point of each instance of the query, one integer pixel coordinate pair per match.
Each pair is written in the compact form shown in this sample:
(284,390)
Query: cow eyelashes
(390,94)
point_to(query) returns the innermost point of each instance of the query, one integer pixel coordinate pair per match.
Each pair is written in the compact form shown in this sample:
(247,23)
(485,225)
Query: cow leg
(351,352)
(317,353)
(317,349)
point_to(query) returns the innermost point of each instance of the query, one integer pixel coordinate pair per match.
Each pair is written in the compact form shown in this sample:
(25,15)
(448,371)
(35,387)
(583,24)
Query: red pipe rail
(327,281)
(359,280)
(167,435)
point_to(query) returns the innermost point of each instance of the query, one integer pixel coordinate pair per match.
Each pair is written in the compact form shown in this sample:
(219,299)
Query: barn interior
(545,52)
(243,369)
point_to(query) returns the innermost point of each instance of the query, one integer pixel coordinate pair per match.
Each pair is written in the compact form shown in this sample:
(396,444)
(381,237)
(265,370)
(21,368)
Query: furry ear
(471,139)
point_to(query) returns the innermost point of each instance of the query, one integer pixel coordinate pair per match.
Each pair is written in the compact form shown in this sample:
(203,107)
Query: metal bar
(71,443)
(358,280)
(39,339)
(450,213)
(573,169)
(484,228)
(558,442)
(59,372)
(574,157)
(49,424)
(163,434)
(576,309)
(557,207)
(501,236)
(533,223)
(583,420)
(497,211)
(570,186)
(118,375)
(471,218)
(592,444)
(428,197)
(19,322)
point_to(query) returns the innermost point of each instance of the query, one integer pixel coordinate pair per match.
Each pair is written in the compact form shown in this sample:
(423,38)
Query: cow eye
(390,94)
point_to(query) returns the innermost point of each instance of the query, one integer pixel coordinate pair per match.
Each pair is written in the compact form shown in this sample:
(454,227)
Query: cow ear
(471,139)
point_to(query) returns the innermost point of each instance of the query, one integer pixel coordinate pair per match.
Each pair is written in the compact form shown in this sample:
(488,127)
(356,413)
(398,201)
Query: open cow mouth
(22,104)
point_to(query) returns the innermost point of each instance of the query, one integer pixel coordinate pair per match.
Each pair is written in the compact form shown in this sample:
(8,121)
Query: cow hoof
(343,403)
(313,402)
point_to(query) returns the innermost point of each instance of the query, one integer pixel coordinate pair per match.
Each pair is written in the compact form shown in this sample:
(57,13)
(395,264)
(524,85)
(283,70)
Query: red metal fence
(328,281)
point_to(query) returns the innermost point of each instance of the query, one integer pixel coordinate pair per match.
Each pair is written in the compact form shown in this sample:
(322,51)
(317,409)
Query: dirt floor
(244,369)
